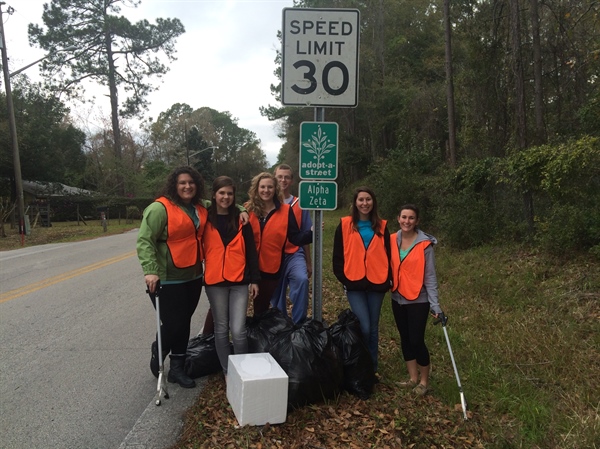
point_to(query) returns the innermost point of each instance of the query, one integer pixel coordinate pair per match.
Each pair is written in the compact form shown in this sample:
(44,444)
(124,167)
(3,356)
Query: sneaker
(420,390)
(407,384)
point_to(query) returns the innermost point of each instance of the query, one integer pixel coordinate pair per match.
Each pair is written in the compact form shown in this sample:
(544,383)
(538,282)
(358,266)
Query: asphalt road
(75,334)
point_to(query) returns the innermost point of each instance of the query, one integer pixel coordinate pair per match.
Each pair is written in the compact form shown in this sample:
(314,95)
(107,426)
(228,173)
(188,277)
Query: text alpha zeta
(317,189)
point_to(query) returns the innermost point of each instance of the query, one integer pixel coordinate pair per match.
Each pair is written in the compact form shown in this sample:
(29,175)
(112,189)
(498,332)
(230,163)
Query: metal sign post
(317,250)
(319,69)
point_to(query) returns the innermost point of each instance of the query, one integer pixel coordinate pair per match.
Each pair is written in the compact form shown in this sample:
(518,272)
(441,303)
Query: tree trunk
(517,64)
(450,86)
(520,117)
(540,128)
(380,46)
(114,113)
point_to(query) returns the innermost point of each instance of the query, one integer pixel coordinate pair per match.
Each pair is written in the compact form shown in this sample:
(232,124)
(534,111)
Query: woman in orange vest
(170,251)
(414,294)
(231,270)
(361,254)
(273,224)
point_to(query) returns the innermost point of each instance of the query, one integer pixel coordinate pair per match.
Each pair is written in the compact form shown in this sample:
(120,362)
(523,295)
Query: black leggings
(411,320)
(178,303)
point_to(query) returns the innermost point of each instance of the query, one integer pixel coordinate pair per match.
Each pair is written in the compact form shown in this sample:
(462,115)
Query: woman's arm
(151,229)
(294,234)
(388,250)
(430,280)
(251,254)
(244,217)
(338,255)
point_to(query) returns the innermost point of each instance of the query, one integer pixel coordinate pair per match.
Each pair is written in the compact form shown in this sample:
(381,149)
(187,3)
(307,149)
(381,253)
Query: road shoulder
(160,427)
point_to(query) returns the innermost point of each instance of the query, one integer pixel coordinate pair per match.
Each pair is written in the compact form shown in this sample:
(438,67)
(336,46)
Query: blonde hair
(255,203)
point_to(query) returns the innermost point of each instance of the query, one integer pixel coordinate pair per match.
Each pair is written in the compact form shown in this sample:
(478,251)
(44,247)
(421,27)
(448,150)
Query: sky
(225,59)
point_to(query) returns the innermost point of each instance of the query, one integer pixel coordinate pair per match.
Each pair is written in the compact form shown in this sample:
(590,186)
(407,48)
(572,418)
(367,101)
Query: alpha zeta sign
(320,57)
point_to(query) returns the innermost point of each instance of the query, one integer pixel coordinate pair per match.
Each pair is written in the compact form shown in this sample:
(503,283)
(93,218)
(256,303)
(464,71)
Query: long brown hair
(233,212)
(255,203)
(373,215)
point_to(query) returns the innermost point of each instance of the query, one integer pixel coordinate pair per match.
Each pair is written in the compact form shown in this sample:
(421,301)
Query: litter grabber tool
(161,387)
(444,319)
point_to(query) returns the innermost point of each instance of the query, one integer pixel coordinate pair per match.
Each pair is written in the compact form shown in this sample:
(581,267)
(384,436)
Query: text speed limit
(320,57)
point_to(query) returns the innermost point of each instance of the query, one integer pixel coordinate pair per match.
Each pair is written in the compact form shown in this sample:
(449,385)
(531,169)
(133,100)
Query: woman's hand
(151,282)
(439,317)
(244,218)
(312,228)
(253,290)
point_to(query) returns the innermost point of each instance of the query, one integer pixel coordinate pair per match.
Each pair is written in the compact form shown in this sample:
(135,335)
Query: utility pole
(13,129)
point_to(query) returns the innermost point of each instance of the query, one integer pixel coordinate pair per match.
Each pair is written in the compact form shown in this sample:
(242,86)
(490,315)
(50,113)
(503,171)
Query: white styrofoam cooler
(257,389)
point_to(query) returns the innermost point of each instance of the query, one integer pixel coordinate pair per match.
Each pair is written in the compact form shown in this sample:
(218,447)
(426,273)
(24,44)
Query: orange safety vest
(372,262)
(183,239)
(223,263)
(270,248)
(290,248)
(408,274)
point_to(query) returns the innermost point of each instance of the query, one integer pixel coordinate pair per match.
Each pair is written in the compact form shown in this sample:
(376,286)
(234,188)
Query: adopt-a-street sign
(318,150)
(321,195)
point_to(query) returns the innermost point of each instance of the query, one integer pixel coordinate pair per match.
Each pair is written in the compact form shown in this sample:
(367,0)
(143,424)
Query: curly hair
(170,188)
(255,203)
(373,215)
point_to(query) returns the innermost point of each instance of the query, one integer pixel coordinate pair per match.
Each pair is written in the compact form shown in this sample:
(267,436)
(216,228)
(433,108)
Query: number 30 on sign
(320,57)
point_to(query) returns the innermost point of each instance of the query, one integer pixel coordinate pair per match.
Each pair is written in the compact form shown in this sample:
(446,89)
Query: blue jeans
(367,307)
(229,305)
(296,274)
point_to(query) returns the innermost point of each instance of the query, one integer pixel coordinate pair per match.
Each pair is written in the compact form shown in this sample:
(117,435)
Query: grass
(530,342)
(64,232)
(525,330)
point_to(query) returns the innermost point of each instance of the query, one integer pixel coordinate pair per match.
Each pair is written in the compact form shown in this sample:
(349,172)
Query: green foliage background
(542,188)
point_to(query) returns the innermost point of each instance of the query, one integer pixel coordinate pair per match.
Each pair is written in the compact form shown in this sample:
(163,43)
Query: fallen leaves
(390,419)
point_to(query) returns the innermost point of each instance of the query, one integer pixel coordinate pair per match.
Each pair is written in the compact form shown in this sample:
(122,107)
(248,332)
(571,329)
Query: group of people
(369,262)
(258,250)
(185,242)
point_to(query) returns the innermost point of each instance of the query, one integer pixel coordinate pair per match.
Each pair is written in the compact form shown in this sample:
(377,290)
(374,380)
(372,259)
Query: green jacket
(152,249)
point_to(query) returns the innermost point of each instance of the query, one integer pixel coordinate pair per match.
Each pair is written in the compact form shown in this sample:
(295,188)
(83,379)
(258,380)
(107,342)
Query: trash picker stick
(161,386)
(444,319)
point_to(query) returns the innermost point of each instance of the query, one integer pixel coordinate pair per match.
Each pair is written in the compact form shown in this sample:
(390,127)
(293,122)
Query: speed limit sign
(320,57)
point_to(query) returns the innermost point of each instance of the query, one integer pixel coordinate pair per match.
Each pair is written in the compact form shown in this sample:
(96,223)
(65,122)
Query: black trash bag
(311,360)
(263,329)
(359,373)
(202,358)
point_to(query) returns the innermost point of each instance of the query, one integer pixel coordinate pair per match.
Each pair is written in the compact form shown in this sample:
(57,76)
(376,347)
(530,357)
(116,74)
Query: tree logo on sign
(319,145)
